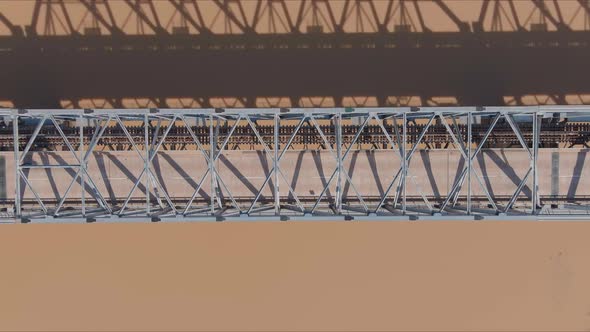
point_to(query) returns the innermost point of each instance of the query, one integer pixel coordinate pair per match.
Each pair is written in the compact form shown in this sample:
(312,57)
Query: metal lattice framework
(556,133)
(276,198)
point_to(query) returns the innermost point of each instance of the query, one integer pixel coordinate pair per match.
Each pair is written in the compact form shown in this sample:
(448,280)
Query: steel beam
(338,129)
(469,161)
(212,170)
(17,162)
(276,165)
(535,189)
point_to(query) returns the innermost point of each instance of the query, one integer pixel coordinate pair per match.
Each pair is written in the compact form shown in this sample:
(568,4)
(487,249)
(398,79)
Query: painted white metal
(392,205)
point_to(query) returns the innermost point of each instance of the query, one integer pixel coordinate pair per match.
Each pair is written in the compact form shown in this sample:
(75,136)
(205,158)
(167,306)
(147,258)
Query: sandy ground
(296,276)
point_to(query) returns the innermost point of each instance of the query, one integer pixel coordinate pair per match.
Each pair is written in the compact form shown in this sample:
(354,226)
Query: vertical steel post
(469,163)
(535,191)
(211,163)
(276,164)
(82,166)
(404,161)
(147,163)
(338,130)
(17,198)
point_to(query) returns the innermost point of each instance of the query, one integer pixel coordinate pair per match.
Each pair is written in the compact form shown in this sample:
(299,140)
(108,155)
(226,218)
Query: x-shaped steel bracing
(469,156)
(81,166)
(151,152)
(403,172)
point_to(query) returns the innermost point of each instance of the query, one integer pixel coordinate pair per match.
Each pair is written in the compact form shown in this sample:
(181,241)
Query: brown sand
(296,276)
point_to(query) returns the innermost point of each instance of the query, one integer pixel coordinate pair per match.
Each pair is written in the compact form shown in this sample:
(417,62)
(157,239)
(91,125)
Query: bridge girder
(274,191)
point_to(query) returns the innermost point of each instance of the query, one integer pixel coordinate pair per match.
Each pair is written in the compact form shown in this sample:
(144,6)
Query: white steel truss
(213,200)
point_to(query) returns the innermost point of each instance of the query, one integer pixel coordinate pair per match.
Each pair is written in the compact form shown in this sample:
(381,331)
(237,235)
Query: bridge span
(277,179)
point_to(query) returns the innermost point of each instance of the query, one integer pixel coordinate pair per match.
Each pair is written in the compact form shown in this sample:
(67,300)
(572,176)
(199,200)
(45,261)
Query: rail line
(179,138)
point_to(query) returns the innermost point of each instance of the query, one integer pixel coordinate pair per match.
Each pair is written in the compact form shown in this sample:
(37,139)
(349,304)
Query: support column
(212,144)
(82,166)
(17,198)
(469,161)
(147,163)
(338,130)
(404,161)
(535,189)
(276,164)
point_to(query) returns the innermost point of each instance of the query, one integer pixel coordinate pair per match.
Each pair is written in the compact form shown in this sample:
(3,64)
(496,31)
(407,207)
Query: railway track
(179,137)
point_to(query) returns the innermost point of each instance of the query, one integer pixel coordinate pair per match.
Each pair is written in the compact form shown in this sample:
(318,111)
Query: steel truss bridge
(556,133)
(304,53)
(215,195)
